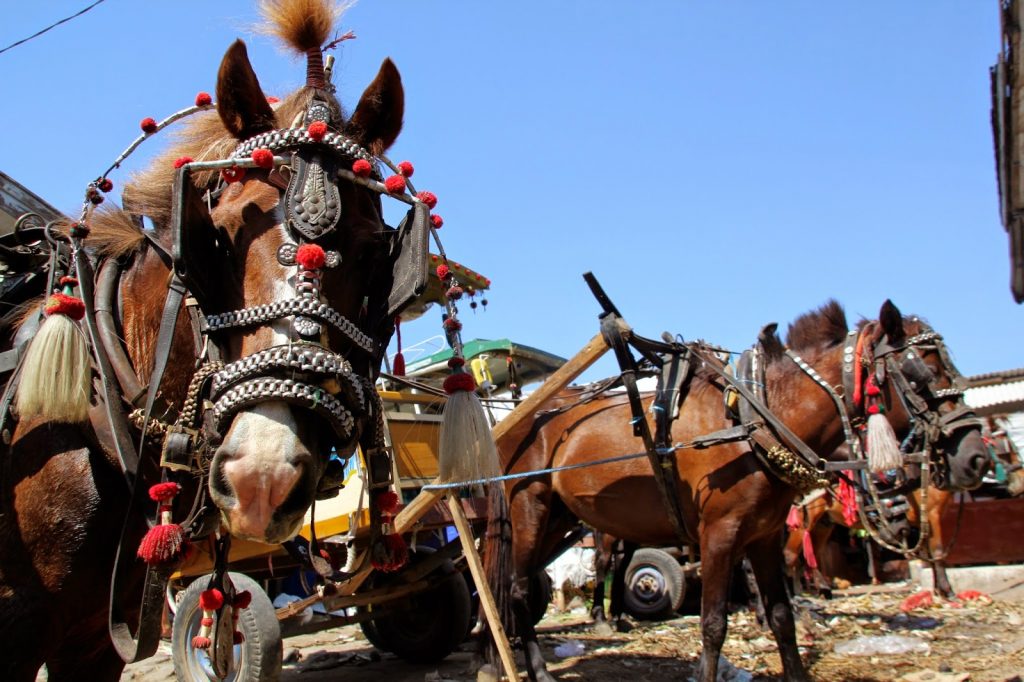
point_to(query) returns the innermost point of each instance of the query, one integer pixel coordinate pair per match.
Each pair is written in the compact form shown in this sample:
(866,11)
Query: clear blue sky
(717,165)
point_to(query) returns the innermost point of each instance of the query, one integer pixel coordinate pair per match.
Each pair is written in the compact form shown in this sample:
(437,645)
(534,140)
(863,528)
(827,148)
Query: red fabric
(148,125)
(203,99)
(406,169)
(242,599)
(442,271)
(317,130)
(460,381)
(310,256)
(974,595)
(211,599)
(848,498)
(437,221)
(795,518)
(920,600)
(264,158)
(106,184)
(233,174)
(808,546)
(428,198)
(362,168)
(62,304)
(164,492)
(162,544)
(395,184)
(182,160)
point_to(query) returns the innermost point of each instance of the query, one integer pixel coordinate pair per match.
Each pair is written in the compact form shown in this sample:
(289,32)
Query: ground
(977,641)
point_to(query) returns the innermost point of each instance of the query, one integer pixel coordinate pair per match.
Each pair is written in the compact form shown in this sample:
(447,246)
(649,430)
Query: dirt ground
(976,641)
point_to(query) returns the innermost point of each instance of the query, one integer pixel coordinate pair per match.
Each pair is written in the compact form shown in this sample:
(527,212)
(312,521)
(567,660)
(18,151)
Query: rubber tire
(431,624)
(653,568)
(369,629)
(259,656)
(539,598)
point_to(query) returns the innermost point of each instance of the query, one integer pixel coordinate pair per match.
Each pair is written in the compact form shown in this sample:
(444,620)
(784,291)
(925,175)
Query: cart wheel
(654,585)
(430,624)
(257,659)
(369,629)
(539,597)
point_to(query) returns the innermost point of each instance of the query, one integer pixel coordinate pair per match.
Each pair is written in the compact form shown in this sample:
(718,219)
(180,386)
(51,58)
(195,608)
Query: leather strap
(176,293)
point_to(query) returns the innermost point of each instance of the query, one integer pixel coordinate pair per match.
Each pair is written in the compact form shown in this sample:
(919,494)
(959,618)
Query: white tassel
(466,450)
(55,381)
(882,446)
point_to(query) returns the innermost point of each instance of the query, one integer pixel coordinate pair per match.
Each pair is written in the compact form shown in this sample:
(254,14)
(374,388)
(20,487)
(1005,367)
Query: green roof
(531,364)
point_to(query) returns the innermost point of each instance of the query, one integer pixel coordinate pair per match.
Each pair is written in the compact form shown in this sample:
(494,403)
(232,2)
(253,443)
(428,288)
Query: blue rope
(538,472)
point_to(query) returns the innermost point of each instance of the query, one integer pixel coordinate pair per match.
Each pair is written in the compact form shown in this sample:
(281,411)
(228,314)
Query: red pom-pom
(398,366)
(460,381)
(162,544)
(211,599)
(395,184)
(68,280)
(148,126)
(264,158)
(872,387)
(452,325)
(406,169)
(873,409)
(203,99)
(428,198)
(181,161)
(105,184)
(233,174)
(442,271)
(94,196)
(273,100)
(62,304)
(317,130)
(387,502)
(310,257)
(200,642)
(242,599)
(362,168)
(238,637)
(164,492)
(455,293)
(456,361)
(437,221)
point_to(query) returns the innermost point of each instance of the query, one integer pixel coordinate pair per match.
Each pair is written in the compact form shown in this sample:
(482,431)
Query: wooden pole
(476,568)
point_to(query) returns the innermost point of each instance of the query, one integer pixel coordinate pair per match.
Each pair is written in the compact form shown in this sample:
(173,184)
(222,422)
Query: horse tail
(498,567)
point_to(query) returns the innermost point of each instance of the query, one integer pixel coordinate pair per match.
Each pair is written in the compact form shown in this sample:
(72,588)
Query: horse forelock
(821,328)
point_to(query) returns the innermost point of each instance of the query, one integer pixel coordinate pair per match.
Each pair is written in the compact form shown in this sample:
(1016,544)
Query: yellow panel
(415,445)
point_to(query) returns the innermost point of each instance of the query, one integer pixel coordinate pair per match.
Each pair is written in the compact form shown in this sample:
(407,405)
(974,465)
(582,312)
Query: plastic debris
(882,644)
(570,648)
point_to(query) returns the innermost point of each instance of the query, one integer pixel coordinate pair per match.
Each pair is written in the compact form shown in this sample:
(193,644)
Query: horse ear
(240,100)
(770,341)
(891,320)
(378,116)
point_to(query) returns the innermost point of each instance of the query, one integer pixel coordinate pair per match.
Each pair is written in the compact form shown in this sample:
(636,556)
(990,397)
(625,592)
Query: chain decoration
(793,470)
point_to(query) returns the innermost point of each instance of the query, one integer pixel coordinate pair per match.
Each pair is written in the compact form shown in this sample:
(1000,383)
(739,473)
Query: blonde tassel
(55,381)
(882,446)
(466,450)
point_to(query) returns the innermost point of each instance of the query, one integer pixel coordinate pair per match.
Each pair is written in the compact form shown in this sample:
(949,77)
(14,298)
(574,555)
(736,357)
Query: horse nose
(979,463)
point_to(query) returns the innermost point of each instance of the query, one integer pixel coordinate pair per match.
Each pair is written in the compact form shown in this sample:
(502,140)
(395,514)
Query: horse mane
(818,329)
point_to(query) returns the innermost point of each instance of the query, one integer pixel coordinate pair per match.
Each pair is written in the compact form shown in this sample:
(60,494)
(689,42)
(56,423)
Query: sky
(718,166)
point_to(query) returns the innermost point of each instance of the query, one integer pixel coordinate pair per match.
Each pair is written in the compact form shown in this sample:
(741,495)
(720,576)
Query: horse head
(922,395)
(278,236)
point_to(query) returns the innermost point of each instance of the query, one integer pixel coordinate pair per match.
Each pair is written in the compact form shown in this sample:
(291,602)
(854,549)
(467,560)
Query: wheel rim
(197,661)
(648,585)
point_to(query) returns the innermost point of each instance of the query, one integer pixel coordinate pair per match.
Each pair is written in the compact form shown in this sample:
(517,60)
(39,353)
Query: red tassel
(200,642)
(389,551)
(162,544)
(398,367)
(387,502)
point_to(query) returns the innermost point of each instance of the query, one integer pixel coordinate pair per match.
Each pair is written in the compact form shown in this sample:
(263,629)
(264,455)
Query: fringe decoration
(164,542)
(389,551)
(210,601)
(398,366)
(466,450)
(56,376)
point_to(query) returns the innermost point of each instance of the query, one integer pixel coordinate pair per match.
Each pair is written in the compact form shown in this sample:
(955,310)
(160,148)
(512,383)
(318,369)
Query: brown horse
(731,503)
(820,515)
(289,387)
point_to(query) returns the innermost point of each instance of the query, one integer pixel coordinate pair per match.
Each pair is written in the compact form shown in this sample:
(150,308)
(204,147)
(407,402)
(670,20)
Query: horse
(267,284)
(731,502)
(813,521)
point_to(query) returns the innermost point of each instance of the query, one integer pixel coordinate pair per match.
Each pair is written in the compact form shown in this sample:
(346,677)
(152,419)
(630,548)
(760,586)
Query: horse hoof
(623,626)
(602,628)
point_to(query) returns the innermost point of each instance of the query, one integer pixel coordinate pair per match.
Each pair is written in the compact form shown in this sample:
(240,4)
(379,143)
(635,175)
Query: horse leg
(766,561)
(717,552)
(102,664)
(603,557)
(24,630)
(936,542)
(621,561)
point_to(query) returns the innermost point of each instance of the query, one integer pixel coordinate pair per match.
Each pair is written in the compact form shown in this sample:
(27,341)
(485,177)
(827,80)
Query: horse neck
(144,288)
(802,404)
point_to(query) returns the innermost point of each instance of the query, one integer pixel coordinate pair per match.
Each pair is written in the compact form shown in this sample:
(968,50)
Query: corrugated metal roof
(996,394)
